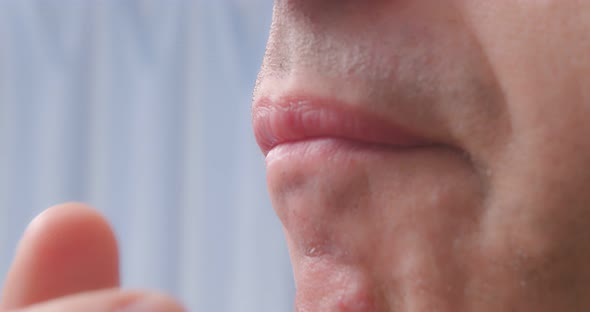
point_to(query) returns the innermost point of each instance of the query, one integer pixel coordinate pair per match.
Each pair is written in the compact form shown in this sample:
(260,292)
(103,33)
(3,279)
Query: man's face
(431,155)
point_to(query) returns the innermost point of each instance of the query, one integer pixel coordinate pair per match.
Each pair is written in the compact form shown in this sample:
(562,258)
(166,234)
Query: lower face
(494,214)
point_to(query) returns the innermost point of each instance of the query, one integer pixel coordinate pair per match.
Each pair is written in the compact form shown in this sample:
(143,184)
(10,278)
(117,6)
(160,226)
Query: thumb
(67,249)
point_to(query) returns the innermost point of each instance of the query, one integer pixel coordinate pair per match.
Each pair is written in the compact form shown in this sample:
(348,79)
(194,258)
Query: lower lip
(322,149)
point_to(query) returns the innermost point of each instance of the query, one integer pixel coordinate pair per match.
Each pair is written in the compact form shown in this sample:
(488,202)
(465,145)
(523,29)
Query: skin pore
(493,214)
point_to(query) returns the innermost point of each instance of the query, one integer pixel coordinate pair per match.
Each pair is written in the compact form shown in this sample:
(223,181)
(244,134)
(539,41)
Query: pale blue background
(142,108)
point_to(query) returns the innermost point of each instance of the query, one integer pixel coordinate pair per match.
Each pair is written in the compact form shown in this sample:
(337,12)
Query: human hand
(67,261)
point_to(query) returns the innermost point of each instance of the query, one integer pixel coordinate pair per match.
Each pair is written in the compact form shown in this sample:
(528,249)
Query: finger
(67,249)
(108,301)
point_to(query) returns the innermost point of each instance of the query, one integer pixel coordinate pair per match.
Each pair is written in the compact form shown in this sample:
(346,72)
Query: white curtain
(142,109)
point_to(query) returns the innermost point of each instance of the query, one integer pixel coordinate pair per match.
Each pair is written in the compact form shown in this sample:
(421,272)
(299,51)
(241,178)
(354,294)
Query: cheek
(538,53)
(537,220)
(531,45)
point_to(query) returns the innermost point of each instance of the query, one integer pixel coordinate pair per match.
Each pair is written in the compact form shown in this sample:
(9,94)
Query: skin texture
(67,261)
(495,216)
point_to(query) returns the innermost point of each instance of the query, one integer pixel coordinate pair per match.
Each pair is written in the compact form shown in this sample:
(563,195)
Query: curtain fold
(142,109)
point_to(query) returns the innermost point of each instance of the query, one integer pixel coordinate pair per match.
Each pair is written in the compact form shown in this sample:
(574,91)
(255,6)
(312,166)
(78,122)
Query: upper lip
(292,119)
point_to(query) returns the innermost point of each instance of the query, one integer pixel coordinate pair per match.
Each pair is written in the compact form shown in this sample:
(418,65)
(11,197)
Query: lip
(295,119)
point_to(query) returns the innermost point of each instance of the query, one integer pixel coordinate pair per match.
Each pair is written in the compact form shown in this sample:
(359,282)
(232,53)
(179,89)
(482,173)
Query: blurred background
(142,109)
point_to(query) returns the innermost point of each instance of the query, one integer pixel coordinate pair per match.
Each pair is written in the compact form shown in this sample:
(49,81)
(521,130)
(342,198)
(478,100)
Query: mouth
(300,125)
(318,150)
(348,185)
